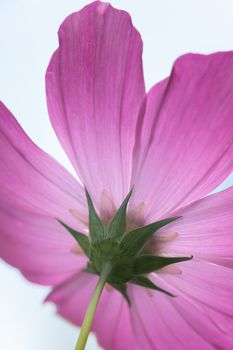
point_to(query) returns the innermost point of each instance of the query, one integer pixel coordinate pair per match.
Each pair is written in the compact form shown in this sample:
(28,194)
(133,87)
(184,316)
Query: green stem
(88,319)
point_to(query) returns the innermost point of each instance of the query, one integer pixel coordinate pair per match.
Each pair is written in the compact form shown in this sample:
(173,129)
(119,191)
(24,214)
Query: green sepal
(90,269)
(96,228)
(145,282)
(118,224)
(109,251)
(123,290)
(149,263)
(132,242)
(82,239)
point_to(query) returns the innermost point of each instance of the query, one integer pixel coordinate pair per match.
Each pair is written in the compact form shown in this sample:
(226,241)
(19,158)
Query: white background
(28,29)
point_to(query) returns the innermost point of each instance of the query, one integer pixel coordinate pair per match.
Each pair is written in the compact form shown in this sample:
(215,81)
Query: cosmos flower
(172,144)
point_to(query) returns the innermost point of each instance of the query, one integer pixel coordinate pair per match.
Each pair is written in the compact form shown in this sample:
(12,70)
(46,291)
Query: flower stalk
(88,319)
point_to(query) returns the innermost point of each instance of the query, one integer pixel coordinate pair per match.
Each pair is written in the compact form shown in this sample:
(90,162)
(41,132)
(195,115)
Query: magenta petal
(204,299)
(112,324)
(161,322)
(158,325)
(94,89)
(34,191)
(205,230)
(31,179)
(37,245)
(184,146)
(204,283)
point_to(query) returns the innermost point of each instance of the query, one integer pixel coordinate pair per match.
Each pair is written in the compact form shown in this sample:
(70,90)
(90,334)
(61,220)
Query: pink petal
(205,230)
(112,324)
(162,322)
(159,326)
(33,180)
(205,283)
(94,89)
(184,143)
(37,245)
(34,191)
(207,289)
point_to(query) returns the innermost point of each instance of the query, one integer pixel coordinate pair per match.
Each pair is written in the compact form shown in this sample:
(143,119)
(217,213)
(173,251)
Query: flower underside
(120,252)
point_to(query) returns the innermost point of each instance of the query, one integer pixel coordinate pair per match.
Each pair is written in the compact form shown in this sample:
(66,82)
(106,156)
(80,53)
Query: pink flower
(174,144)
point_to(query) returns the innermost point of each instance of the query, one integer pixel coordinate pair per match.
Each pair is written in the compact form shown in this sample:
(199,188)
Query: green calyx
(120,250)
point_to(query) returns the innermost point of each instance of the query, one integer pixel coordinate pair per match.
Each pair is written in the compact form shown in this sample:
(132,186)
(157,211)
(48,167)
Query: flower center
(124,249)
(111,252)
